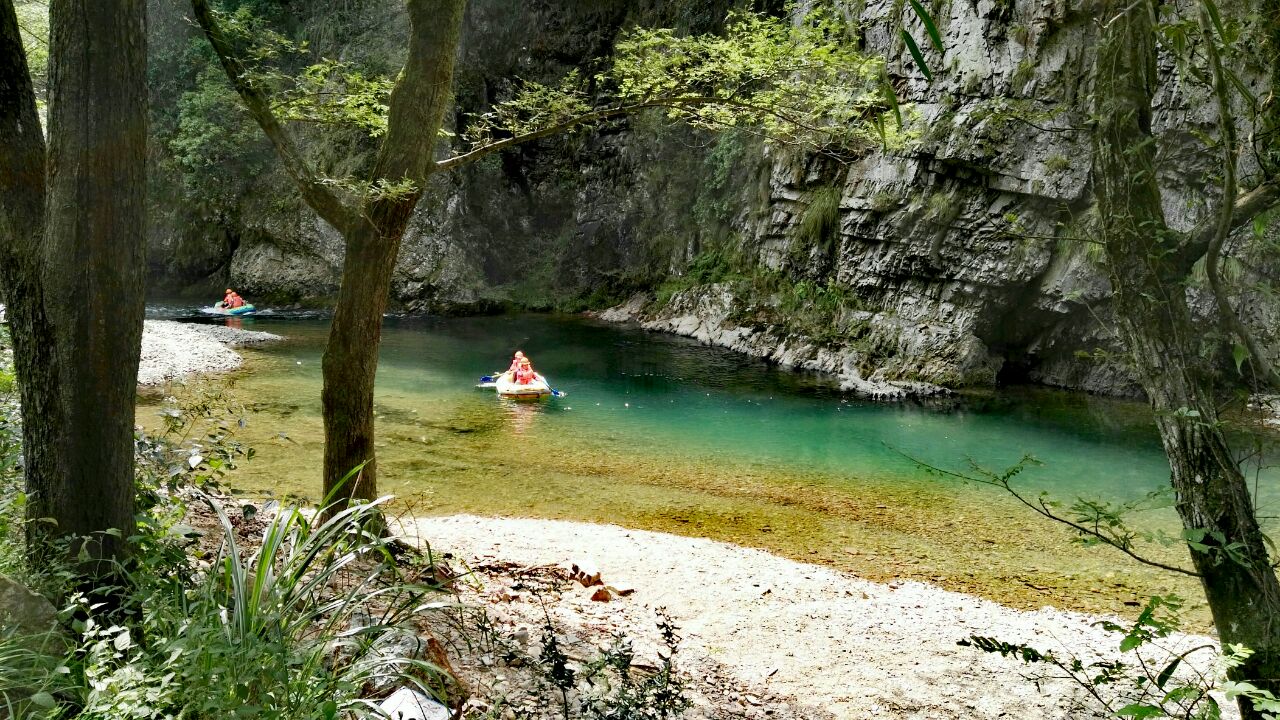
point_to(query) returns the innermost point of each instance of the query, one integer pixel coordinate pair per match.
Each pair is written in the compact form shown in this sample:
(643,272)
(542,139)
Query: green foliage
(335,93)
(883,202)
(713,265)
(282,631)
(13,496)
(213,149)
(32,674)
(720,194)
(536,106)
(1057,163)
(796,81)
(621,693)
(826,313)
(608,686)
(289,626)
(1146,680)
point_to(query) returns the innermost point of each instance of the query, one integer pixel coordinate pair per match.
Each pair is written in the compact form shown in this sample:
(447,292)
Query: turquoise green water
(661,394)
(662,432)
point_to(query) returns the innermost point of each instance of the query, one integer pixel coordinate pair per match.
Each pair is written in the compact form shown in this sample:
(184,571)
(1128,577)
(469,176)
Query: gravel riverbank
(172,350)
(766,636)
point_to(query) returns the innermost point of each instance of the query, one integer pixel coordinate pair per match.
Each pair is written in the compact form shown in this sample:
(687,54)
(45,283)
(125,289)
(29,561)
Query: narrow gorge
(964,260)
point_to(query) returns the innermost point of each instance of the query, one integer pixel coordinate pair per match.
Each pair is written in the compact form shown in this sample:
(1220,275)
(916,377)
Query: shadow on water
(664,433)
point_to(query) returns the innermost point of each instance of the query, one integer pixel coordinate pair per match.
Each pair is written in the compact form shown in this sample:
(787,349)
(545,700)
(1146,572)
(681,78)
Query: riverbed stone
(409,704)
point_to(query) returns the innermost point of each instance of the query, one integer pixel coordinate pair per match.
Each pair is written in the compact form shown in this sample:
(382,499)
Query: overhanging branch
(1041,507)
(320,196)
(1247,206)
(608,113)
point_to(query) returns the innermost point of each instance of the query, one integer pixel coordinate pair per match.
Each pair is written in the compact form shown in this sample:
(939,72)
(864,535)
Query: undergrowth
(275,619)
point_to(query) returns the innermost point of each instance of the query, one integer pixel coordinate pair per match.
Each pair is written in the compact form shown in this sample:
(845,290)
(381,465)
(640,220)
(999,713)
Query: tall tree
(1150,267)
(72,263)
(799,83)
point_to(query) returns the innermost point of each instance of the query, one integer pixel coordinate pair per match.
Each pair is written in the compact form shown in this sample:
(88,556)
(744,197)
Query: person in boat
(231,300)
(515,362)
(524,373)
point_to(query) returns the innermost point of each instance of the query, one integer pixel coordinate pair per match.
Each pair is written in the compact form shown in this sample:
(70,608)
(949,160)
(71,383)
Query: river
(660,432)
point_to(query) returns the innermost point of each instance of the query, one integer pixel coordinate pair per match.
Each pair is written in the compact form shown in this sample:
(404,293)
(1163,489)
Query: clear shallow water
(662,432)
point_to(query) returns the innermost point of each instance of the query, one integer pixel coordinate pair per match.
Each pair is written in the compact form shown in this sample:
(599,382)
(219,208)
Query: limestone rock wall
(963,260)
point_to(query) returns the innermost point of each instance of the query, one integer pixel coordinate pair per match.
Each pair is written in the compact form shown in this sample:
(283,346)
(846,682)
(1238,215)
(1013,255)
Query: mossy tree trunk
(372,225)
(1149,274)
(73,263)
(422,94)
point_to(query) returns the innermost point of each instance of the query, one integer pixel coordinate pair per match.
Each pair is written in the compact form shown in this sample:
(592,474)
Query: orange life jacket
(525,375)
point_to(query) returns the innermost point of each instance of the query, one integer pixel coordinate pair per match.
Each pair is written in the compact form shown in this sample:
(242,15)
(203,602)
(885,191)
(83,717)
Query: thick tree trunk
(1150,303)
(93,262)
(417,106)
(22,203)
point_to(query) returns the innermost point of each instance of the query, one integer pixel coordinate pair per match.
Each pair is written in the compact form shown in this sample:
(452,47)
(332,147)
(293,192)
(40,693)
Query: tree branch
(1041,508)
(678,102)
(1247,206)
(333,208)
(1226,216)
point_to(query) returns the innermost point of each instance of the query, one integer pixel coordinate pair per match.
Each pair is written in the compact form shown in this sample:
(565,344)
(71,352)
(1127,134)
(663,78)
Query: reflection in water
(521,414)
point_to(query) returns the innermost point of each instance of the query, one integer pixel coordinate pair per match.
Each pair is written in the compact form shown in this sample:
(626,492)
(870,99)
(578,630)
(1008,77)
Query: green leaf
(1239,353)
(1163,678)
(1139,711)
(915,53)
(43,699)
(1212,9)
(929,27)
(891,98)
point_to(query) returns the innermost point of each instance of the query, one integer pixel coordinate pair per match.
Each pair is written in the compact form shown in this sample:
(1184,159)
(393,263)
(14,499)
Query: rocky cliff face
(966,259)
(963,260)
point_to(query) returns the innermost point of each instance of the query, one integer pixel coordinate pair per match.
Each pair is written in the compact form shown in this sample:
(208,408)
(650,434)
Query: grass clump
(819,223)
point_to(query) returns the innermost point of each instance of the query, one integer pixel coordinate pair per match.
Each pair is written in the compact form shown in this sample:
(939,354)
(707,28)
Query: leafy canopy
(796,80)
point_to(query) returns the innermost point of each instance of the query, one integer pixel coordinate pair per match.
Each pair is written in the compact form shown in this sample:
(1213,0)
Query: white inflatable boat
(507,387)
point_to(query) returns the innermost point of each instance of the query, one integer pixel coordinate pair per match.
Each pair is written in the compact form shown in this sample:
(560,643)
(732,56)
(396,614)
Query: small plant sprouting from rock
(1057,163)
(619,693)
(612,685)
(555,663)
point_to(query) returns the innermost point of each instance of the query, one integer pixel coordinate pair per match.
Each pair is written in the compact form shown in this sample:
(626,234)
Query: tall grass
(278,631)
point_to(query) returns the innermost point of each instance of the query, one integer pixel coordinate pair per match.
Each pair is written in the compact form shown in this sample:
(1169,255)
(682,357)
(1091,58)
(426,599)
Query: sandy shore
(766,636)
(172,350)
